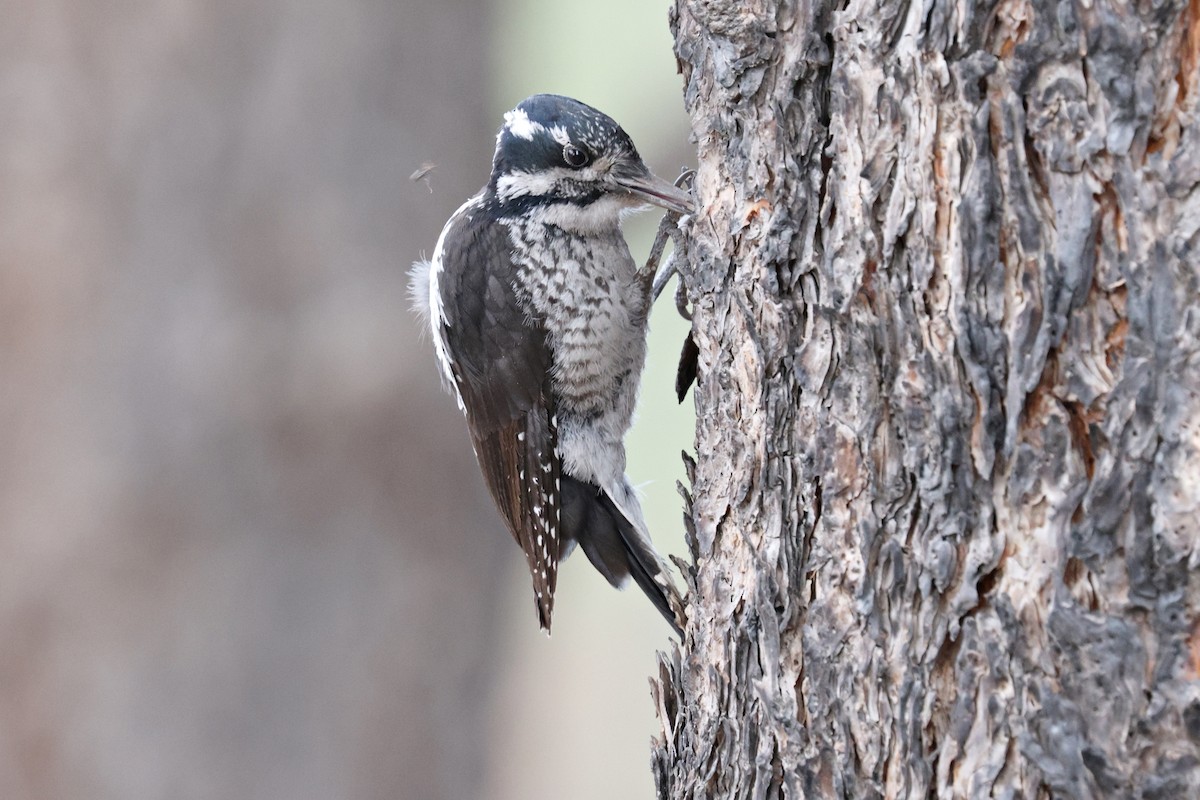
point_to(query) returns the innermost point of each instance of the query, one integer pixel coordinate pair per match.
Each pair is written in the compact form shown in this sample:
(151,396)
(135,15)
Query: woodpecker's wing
(500,362)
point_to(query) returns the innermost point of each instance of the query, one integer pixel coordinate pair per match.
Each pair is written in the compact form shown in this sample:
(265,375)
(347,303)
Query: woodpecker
(539,318)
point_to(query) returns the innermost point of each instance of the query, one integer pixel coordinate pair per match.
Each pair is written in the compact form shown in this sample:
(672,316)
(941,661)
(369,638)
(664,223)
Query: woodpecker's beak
(653,189)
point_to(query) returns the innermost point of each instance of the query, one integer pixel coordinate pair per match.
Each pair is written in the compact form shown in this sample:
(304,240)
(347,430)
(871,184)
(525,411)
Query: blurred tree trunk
(945,281)
(228,509)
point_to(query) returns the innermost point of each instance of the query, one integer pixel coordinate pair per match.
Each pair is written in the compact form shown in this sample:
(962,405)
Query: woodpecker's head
(571,165)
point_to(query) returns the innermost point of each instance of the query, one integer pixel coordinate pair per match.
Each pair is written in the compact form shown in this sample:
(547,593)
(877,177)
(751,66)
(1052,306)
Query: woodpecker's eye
(574,156)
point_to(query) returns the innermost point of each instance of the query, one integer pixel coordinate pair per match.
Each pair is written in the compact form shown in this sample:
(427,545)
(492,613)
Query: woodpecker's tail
(615,546)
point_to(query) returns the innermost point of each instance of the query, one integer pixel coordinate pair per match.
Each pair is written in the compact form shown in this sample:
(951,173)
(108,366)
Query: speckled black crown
(591,129)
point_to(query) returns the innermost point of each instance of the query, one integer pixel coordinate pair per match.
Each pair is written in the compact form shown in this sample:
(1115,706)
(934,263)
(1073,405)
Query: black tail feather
(611,543)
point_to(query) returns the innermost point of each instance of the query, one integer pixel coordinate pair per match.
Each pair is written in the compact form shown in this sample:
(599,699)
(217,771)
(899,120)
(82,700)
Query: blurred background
(245,551)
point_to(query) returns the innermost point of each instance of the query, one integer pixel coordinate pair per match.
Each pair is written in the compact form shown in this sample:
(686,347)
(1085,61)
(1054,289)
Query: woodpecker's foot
(653,278)
(669,228)
(667,271)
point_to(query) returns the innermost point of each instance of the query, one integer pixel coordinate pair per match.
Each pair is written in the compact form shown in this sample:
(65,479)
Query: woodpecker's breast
(586,289)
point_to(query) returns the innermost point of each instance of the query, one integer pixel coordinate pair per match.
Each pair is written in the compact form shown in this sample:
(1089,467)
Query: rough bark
(944,281)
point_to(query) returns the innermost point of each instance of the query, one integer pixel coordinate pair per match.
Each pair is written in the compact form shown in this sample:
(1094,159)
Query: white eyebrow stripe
(518,123)
(560,135)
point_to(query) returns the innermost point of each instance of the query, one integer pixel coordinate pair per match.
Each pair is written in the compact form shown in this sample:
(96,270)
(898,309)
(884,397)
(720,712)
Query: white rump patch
(519,124)
(418,289)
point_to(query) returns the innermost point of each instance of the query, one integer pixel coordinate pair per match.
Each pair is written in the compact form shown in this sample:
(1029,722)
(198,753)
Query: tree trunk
(944,281)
